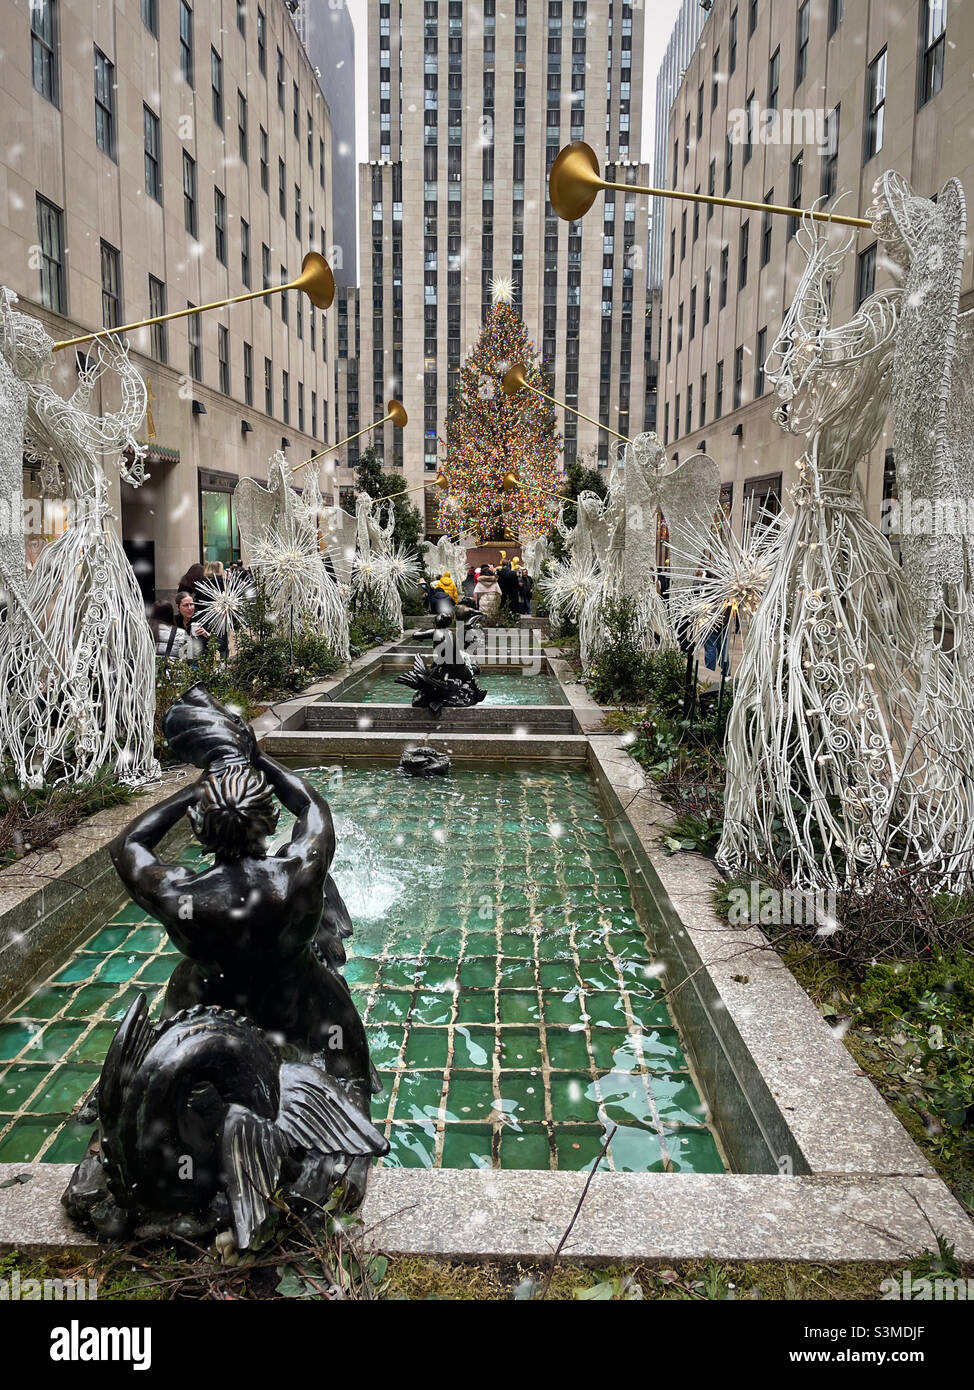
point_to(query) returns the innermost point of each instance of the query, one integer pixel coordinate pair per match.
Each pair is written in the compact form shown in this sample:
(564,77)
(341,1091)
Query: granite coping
(838,1119)
(344,743)
(625,1216)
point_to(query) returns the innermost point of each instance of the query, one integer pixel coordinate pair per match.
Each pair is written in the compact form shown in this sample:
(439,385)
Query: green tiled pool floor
(504,686)
(508,990)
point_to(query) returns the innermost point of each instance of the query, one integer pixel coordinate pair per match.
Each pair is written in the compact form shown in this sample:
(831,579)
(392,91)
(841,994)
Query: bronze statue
(258,1078)
(451,680)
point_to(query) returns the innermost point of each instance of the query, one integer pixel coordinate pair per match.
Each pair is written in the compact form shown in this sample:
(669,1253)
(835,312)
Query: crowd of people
(180,636)
(491,589)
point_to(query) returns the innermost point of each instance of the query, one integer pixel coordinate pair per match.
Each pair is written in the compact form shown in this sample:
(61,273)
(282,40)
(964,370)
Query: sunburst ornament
(223,601)
(501,289)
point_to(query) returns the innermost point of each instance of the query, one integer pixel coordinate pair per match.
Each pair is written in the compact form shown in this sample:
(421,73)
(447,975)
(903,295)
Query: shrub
(622,672)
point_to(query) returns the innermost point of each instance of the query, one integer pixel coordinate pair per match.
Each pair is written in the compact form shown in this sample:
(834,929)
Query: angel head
(646,452)
(24,342)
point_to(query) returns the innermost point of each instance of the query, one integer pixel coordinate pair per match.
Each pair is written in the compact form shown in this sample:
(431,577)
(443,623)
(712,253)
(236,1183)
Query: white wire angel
(83,698)
(842,756)
(279,536)
(374,580)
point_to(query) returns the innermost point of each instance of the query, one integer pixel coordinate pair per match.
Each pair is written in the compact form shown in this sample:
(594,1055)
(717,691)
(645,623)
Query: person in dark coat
(507,580)
(525,586)
(470,583)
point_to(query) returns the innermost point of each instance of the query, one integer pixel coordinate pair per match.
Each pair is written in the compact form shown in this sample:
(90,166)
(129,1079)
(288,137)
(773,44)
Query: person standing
(194,637)
(507,580)
(525,586)
(488,594)
(470,583)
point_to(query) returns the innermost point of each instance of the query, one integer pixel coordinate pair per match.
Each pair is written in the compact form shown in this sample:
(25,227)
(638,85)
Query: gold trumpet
(512,483)
(515,381)
(315,280)
(396,412)
(575,182)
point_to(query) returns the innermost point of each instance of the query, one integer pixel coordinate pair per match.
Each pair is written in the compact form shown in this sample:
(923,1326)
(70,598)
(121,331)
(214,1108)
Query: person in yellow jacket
(445,582)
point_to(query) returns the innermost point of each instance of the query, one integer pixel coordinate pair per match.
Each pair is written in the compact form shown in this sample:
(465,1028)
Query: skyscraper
(329,38)
(449,205)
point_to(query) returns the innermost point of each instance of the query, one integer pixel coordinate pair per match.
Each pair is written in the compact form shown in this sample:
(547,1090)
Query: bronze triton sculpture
(258,1079)
(451,680)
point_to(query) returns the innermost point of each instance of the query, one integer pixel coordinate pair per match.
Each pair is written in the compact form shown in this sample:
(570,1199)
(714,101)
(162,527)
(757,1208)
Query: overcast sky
(660,18)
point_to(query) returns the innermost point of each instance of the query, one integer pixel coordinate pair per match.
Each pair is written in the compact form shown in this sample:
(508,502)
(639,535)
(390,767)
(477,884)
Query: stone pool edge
(503,1214)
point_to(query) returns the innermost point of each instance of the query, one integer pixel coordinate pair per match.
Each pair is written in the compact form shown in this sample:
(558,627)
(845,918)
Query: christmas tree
(490,435)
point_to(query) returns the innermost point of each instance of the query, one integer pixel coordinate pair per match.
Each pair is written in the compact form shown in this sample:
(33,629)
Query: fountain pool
(508,988)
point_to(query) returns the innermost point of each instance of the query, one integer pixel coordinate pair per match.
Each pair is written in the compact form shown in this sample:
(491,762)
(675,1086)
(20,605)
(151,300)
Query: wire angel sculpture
(279,536)
(374,579)
(933,404)
(445,556)
(77,662)
(849,743)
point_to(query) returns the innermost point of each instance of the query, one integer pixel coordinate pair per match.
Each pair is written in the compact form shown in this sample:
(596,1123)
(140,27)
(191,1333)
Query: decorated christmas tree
(491,436)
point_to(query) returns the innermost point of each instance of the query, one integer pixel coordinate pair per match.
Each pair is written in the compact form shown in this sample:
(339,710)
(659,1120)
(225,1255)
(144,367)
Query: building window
(268,386)
(245,252)
(297,111)
(707,282)
(111,287)
(223,353)
(190,219)
(732,45)
(836,14)
(314,413)
(286,397)
(280,79)
(44,48)
(766,230)
(248,365)
(283,297)
(715,80)
(282,187)
(719,392)
(711,187)
(153,154)
(104,104)
(216,82)
(738,377)
(728,164)
(744,247)
(724,272)
(749,122)
(752,16)
(242,16)
(194,333)
(186,42)
(795,187)
(242,126)
(220,225)
(865,274)
(693,313)
(703,400)
(689,423)
(830,158)
(301,406)
(263,159)
(265,271)
(875,105)
(158,340)
(774,79)
(50,236)
(762,353)
(801,44)
(297,211)
(262,41)
(150,16)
